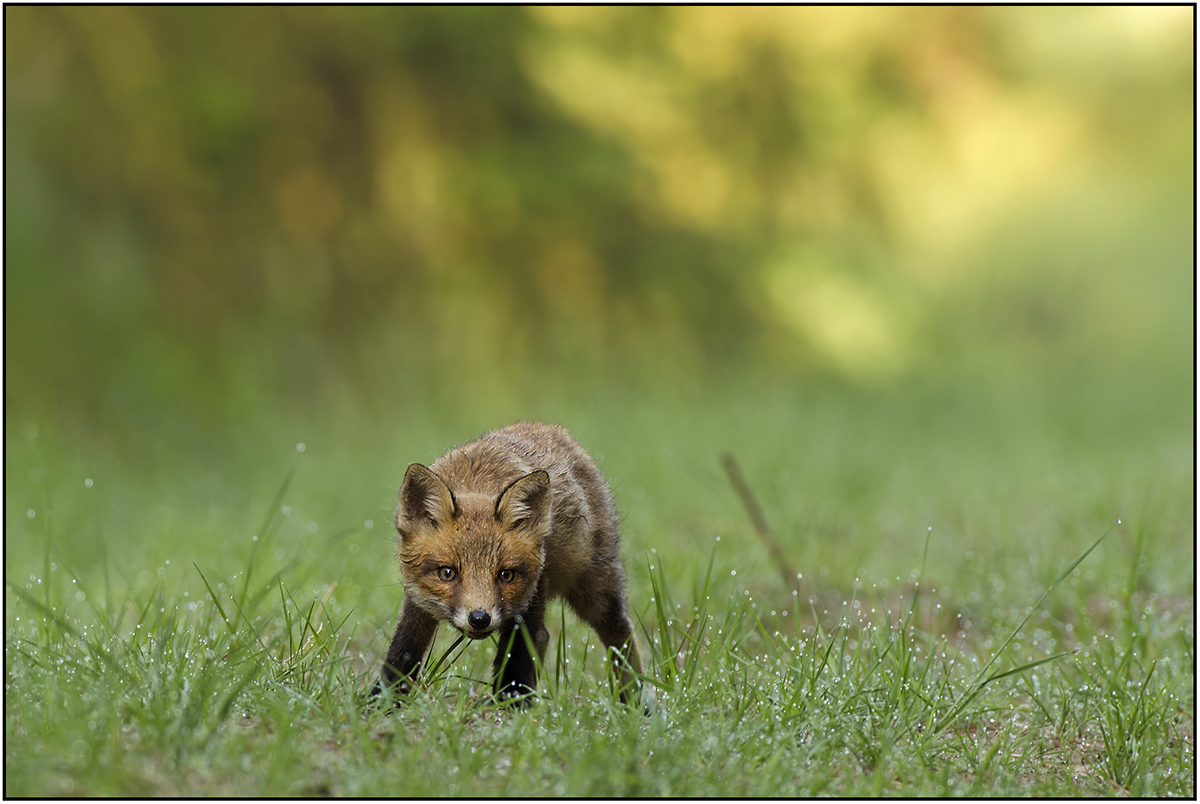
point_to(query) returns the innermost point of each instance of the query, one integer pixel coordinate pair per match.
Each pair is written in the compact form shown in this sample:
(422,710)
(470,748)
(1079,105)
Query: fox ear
(525,504)
(425,501)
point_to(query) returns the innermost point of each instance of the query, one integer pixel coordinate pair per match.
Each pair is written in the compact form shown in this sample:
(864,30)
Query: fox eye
(507,576)
(445,573)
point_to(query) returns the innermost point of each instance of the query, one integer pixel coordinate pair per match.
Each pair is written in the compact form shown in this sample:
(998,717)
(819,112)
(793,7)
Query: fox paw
(515,694)
(397,692)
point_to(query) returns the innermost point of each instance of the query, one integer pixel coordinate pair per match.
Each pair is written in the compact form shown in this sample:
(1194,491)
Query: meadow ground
(194,613)
(926,274)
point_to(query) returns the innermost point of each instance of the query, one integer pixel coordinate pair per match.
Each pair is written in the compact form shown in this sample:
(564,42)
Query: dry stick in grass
(760,523)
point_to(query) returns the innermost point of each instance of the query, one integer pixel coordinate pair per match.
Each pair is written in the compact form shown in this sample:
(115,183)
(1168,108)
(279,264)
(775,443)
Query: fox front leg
(414,632)
(515,667)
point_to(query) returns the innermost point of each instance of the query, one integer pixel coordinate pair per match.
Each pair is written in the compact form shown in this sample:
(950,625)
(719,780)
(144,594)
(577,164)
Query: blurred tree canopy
(232,204)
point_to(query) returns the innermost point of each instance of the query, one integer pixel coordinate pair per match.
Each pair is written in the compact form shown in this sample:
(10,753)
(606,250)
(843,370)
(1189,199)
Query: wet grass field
(990,600)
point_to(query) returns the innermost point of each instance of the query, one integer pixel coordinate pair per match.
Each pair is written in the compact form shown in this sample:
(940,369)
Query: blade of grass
(980,681)
(217,603)
(266,529)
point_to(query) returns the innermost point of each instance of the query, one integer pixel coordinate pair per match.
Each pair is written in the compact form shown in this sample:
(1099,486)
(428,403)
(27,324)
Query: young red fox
(492,532)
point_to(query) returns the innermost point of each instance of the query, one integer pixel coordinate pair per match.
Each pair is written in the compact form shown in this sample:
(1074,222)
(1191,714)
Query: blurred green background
(381,231)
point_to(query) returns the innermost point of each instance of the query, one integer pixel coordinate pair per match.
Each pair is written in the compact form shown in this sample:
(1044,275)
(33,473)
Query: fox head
(472,559)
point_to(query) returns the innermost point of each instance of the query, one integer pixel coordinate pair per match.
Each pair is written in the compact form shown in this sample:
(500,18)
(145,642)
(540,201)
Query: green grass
(970,619)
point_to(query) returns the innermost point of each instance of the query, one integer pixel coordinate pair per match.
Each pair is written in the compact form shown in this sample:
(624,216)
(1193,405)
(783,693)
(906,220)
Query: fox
(488,535)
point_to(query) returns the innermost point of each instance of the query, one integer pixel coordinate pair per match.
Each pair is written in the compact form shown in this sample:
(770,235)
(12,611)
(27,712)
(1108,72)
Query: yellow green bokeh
(227,203)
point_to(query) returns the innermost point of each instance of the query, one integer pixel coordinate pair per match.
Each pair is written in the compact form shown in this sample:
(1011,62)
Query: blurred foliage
(232,209)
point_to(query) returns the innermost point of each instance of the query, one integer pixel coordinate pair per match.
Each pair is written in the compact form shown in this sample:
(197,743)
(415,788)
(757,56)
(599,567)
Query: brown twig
(759,521)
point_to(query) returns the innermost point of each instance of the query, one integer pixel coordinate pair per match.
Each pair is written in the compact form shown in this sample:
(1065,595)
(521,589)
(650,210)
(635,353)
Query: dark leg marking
(515,668)
(414,632)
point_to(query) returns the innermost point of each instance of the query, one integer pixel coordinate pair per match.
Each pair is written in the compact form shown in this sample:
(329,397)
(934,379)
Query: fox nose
(479,619)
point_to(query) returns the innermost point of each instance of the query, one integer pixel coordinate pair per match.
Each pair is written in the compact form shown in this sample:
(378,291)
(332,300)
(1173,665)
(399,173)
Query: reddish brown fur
(517,518)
